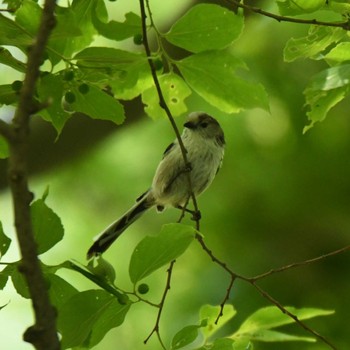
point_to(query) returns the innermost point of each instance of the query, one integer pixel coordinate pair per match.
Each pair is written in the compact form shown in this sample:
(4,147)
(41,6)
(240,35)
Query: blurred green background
(280,197)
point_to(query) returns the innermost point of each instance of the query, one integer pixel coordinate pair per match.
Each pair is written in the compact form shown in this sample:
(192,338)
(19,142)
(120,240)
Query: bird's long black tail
(113,231)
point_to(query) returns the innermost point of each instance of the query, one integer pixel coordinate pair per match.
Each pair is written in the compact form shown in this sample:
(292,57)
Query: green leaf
(7,95)
(4,240)
(325,90)
(266,335)
(299,7)
(12,34)
(4,149)
(223,80)
(7,59)
(321,102)
(87,316)
(331,78)
(51,90)
(338,54)
(83,11)
(186,336)
(28,16)
(59,289)
(210,313)
(156,251)
(271,317)
(175,91)
(19,282)
(47,226)
(206,27)
(119,30)
(108,57)
(132,80)
(98,105)
(310,46)
(6,273)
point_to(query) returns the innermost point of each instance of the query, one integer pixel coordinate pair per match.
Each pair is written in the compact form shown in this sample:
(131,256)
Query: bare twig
(345,25)
(300,263)
(165,107)
(161,306)
(42,334)
(266,295)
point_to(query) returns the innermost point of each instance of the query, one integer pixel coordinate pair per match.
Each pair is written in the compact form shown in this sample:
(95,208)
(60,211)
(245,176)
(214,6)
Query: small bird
(204,142)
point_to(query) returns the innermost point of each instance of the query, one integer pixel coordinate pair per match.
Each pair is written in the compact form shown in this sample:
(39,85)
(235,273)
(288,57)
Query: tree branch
(42,334)
(163,105)
(253,280)
(344,25)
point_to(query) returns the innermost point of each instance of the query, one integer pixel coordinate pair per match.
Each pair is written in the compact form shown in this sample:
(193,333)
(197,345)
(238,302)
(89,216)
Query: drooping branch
(42,334)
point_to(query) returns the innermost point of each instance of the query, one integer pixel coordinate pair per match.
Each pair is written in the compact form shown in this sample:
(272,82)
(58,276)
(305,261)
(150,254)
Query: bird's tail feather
(113,231)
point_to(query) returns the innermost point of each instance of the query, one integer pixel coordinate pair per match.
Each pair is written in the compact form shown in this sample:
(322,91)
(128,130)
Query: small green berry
(158,64)
(17,85)
(68,75)
(84,88)
(143,288)
(69,97)
(138,39)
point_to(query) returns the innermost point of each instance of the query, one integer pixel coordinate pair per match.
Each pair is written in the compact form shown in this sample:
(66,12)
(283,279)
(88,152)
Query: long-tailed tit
(204,141)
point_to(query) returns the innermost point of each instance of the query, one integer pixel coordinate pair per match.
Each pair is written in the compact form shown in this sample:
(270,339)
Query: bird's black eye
(204,125)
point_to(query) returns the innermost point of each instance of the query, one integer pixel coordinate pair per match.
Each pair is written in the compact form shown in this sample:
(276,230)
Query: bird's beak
(190,125)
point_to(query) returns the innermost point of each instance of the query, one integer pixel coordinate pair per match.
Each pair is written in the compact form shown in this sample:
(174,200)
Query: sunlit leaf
(298,7)
(156,251)
(325,90)
(266,335)
(310,46)
(338,54)
(12,34)
(223,80)
(210,313)
(47,226)
(186,336)
(206,27)
(175,91)
(321,102)
(119,30)
(271,317)
(7,59)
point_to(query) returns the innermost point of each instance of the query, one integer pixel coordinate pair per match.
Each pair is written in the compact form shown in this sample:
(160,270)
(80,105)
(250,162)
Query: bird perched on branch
(174,181)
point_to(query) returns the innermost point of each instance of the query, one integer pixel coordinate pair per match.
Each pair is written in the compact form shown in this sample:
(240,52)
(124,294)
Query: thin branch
(266,295)
(300,263)
(279,18)
(291,315)
(164,106)
(42,335)
(161,306)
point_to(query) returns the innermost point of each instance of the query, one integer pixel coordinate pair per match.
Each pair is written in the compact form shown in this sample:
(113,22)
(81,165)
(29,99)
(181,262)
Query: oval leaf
(206,27)
(223,81)
(154,252)
(47,226)
(87,316)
